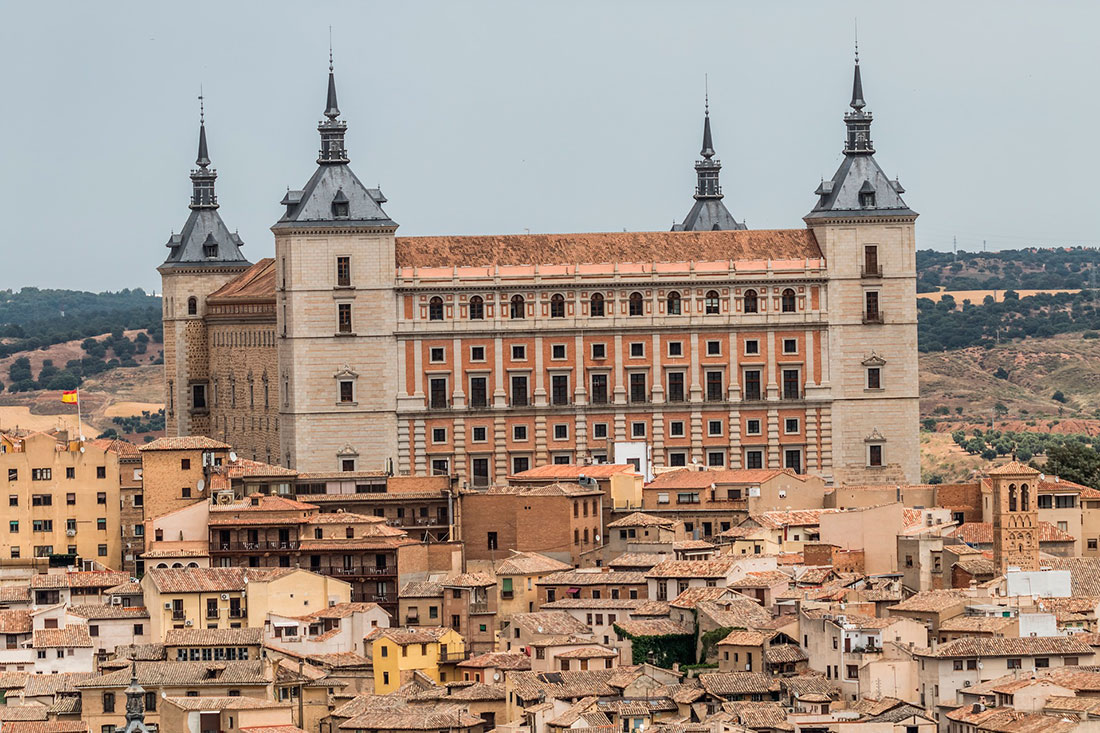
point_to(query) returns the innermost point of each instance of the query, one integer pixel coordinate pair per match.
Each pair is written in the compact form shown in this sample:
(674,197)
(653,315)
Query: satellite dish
(540,629)
(82,448)
(200,485)
(232,456)
(496,676)
(597,538)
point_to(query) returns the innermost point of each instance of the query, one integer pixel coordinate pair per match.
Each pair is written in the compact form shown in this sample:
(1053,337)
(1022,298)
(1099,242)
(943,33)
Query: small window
(557,352)
(790,425)
(561,431)
(437,355)
(673,303)
(596,305)
(787,302)
(480,434)
(874,455)
(477,353)
(714,427)
(752,346)
(435,309)
(343,272)
(635,307)
(599,430)
(874,377)
(519,433)
(716,458)
(710,303)
(867,199)
(675,348)
(439,435)
(637,429)
(714,348)
(754,459)
(750,300)
(518,307)
(637,350)
(792,459)
(557,306)
(347,392)
(599,351)
(477,308)
(790,346)
(192,306)
(752,426)
(676,428)
(343,317)
(519,352)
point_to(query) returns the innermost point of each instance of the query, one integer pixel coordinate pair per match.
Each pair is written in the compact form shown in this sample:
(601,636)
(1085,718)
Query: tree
(1074,461)
(1000,373)
(20,370)
(1059,397)
(1000,409)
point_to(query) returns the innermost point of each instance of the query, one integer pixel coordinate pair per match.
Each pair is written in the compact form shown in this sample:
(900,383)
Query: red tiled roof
(79,579)
(691,479)
(15,622)
(186,442)
(257,282)
(981,533)
(73,635)
(558,471)
(606,247)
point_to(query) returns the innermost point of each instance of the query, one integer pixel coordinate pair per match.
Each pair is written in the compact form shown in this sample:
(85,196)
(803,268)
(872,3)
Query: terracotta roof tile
(180,674)
(762,579)
(257,282)
(981,533)
(609,247)
(79,579)
(468,580)
(651,627)
(16,622)
(558,489)
(593,651)
(404,637)
(692,569)
(746,638)
(107,611)
(688,478)
(186,442)
(498,660)
(560,471)
(643,560)
(584,577)
(73,635)
(44,726)
(548,623)
(1013,468)
(641,519)
(418,717)
(213,637)
(978,646)
(15,594)
(932,601)
(197,580)
(737,683)
(976,624)
(530,563)
(601,603)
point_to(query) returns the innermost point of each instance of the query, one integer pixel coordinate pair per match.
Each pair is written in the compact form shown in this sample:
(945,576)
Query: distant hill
(1061,268)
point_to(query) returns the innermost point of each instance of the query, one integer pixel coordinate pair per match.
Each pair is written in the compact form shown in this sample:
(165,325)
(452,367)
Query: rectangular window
(477,353)
(441,467)
(715,392)
(519,433)
(790,346)
(754,459)
(638,387)
(687,497)
(637,349)
(675,348)
(559,389)
(752,427)
(714,427)
(675,387)
(676,429)
(870,261)
(599,430)
(101,497)
(752,384)
(70,499)
(791,387)
(479,392)
(343,317)
(716,458)
(519,390)
(520,464)
(480,434)
(347,392)
(41,474)
(480,470)
(42,500)
(677,458)
(872,313)
(438,392)
(343,272)
(519,352)
(599,389)
(13,474)
(874,378)
(437,355)
(792,459)
(101,523)
(752,347)
(561,432)
(874,455)
(439,435)
(1065,501)
(70,473)
(557,352)
(790,426)
(13,526)
(637,429)
(714,348)
(1015,663)
(101,472)
(599,351)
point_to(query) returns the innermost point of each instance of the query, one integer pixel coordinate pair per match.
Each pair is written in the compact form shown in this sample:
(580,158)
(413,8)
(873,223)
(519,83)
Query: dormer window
(340,206)
(210,246)
(867,196)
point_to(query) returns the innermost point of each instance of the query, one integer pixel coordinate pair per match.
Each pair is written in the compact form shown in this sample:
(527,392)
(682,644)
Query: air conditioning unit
(167,605)
(225,596)
(116,600)
(188,622)
(70,532)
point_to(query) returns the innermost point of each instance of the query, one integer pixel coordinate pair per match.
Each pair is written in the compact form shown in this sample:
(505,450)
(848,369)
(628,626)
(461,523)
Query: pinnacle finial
(857,102)
(706,95)
(330,48)
(332,109)
(202,160)
(707,150)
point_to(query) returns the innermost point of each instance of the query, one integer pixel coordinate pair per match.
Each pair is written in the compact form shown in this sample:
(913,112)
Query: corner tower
(1015,517)
(204,256)
(708,213)
(867,234)
(337,314)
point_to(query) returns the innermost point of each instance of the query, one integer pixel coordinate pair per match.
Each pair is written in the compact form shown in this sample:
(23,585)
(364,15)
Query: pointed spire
(708,144)
(332,109)
(857,86)
(203,158)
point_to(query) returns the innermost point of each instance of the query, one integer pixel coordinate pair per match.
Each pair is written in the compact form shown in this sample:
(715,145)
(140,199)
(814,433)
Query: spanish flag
(69,396)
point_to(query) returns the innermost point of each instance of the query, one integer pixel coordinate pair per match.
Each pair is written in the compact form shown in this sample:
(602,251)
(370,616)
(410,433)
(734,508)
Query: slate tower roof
(859,188)
(205,240)
(708,213)
(333,196)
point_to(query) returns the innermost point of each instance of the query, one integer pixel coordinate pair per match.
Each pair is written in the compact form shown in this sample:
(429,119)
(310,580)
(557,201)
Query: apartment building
(63,499)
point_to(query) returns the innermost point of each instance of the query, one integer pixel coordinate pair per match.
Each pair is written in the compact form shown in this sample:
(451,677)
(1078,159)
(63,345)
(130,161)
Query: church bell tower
(1015,517)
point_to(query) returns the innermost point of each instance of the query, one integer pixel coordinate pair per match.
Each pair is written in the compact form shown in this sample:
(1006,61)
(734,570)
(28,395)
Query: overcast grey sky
(496,117)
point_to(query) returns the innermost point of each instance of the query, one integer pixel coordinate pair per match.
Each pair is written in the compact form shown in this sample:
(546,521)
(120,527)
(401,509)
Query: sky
(514,116)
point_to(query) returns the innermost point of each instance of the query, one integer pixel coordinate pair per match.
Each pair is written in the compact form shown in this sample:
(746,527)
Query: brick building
(484,356)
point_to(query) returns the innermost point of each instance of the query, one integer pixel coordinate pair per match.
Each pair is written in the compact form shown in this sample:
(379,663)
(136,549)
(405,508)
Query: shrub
(1059,397)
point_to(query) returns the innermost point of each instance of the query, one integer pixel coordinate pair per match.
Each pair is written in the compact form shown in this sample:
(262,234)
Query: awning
(573,590)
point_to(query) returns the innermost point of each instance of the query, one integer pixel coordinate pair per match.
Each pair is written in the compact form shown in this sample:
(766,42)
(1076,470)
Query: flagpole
(79,429)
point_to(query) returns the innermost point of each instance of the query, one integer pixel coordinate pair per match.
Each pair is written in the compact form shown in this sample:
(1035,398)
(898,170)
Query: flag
(69,396)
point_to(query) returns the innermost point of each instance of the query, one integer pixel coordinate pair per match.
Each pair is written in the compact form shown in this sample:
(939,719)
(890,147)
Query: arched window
(674,303)
(751,302)
(1012,497)
(635,308)
(787,301)
(557,306)
(710,304)
(435,309)
(1023,498)
(192,306)
(517,310)
(477,308)
(595,305)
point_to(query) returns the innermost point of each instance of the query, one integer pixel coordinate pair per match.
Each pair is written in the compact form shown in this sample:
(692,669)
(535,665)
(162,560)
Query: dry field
(978,296)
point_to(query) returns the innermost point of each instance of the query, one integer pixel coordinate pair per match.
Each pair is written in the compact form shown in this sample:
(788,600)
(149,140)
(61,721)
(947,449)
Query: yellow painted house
(397,653)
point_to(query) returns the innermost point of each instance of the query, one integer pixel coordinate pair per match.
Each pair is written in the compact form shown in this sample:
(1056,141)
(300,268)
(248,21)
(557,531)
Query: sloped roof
(641,519)
(186,442)
(981,533)
(574,471)
(688,478)
(244,636)
(257,282)
(606,247)
(204,225)
(312,206)
(530,563)
(978,646)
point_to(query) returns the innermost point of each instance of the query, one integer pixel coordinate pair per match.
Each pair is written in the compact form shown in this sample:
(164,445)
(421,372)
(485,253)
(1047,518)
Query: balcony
(872,317)
(237,612)
(371,570)
(212,613)
(507,595)
(178,615)
(372,598)
(454,657)
(871,271)
(479,607)
(412,620)
(264,546)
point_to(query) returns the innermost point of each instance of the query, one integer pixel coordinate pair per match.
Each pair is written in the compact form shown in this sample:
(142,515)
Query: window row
(47,499)
(598,351)
(751,302)
(47,550)
(46,525)
(46,474)
(599,388)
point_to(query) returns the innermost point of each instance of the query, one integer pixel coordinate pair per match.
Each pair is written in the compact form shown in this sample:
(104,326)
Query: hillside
(1065,268)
